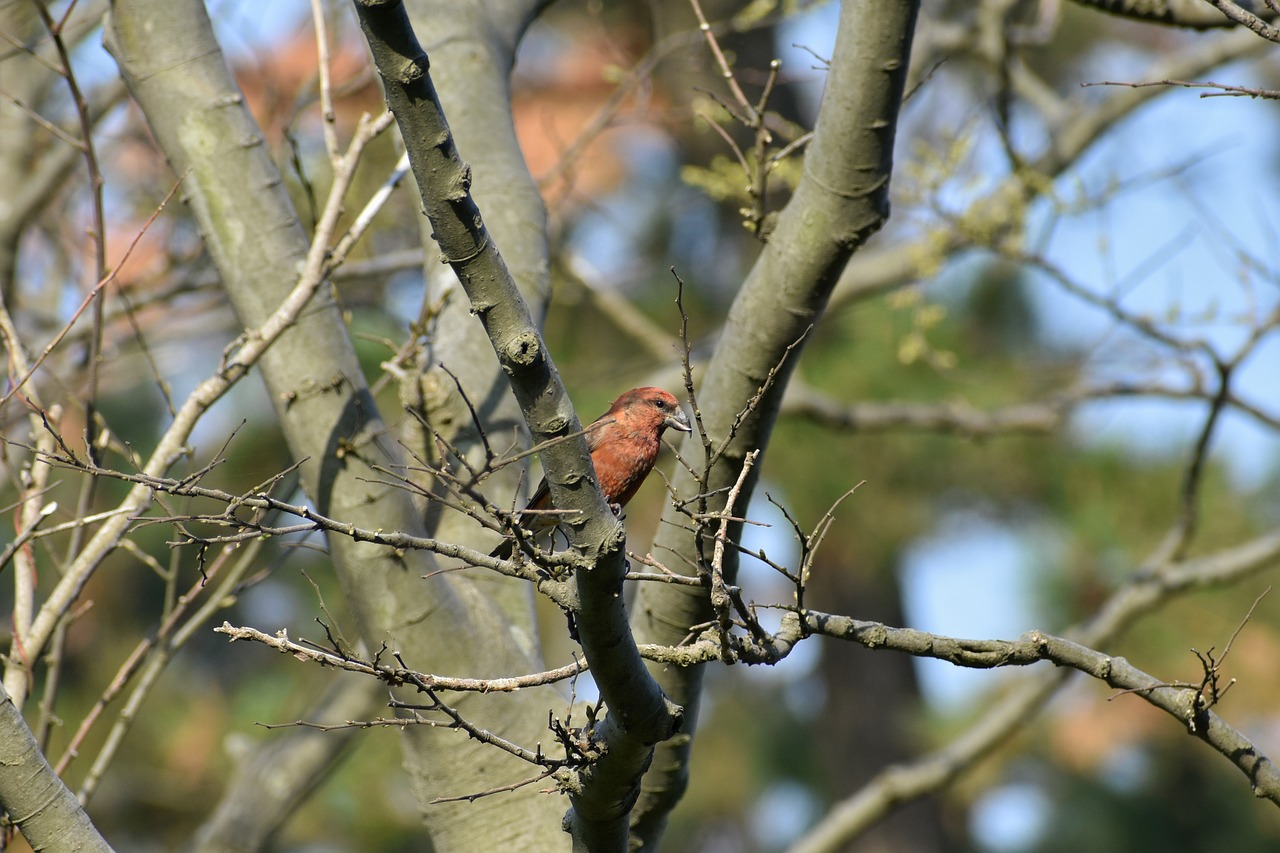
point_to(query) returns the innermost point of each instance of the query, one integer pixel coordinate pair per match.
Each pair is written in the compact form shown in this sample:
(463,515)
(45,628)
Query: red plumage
(624,443)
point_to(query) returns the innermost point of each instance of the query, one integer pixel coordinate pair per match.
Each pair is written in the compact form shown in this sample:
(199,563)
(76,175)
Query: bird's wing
(596,431)
(541,498)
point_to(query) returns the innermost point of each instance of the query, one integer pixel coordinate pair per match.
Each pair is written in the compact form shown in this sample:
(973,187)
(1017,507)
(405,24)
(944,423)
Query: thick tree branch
(841,200)
(176,72)
(473,45)
(638,713)
(33,796)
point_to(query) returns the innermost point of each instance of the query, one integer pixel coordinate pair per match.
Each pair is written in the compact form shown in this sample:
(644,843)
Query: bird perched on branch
(624,443)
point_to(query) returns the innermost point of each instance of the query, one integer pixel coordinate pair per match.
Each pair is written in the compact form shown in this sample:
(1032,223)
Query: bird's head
(654,403)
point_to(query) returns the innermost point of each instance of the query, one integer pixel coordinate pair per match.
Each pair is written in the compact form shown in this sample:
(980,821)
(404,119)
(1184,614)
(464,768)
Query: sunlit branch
(969,421)
(1150,586)
(397,676)
(151,657)
(1244,17)
(172,446)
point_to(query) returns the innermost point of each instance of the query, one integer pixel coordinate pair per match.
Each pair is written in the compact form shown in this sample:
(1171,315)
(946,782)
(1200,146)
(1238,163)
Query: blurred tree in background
(1050,375)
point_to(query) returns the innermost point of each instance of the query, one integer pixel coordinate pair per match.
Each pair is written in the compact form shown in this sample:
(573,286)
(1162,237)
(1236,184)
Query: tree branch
(638,713)
(36,800)
(841,200)
(176,72)
(1151,585)
(1192,14)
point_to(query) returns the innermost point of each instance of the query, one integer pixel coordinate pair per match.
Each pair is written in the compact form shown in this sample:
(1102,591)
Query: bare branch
(1222,90)
(397,676)
(1246,18)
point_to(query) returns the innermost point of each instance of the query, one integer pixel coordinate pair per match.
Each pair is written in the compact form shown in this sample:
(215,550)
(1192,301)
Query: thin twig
(398,676)
(1224,90)
(327,117)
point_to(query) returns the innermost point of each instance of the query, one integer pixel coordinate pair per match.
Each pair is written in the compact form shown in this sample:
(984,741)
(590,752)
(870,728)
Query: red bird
(624,443)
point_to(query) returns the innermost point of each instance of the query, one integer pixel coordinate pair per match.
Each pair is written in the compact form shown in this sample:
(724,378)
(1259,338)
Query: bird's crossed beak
(678,420)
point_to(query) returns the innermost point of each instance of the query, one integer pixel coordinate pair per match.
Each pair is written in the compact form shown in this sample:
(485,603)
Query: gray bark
(841,200)
(33,796)
(177,74)
(638,715)
(1192,14)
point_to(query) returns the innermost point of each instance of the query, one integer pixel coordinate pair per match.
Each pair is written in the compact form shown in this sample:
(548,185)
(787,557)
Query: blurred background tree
(1057,357)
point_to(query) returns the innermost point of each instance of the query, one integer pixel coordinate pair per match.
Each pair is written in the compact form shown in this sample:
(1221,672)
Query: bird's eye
(661,404)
